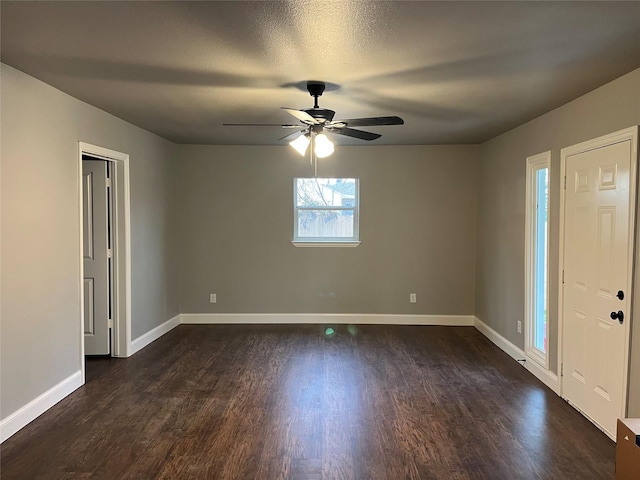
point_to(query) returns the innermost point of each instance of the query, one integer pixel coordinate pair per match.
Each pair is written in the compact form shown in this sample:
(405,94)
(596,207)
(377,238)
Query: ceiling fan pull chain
(313,158)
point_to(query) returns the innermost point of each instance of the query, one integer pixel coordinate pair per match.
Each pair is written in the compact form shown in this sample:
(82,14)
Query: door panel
(596,265)
(605,342)
(576,349)
(605,251)
(96,273)
(89,309)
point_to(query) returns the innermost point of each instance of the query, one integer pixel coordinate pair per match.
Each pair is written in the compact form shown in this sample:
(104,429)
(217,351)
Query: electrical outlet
(412,298)
(519,326)
(212,298)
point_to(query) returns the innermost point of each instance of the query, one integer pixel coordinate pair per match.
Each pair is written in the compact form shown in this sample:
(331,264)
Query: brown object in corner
(628,449)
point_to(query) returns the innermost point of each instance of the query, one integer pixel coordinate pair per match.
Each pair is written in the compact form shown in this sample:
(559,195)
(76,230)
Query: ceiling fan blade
(370,122)
(352,132)
(259,125)
(302,116)
(291,136)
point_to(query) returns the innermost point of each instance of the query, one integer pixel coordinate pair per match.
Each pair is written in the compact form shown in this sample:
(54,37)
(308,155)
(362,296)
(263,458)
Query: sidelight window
(537,255)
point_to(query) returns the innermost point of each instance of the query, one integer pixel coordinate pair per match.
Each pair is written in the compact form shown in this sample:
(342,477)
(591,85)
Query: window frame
(535,164)
(352,241)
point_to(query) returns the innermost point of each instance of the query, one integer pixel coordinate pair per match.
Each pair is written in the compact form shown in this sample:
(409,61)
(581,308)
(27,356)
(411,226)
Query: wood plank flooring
(289,402)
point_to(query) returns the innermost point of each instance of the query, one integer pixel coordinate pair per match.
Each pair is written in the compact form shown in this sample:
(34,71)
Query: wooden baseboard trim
(152,335)
(322,318)
(36,407)
(547,377)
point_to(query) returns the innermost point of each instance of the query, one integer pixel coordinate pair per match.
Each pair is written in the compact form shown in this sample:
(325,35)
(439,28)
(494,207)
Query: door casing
(628,134)
(121,333)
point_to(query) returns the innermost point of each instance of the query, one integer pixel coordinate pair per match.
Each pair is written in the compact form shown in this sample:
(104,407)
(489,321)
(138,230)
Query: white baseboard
(26,414)
(331,318)
(547,377)
(550,379)
(36,407)
(144,340)
(504,344)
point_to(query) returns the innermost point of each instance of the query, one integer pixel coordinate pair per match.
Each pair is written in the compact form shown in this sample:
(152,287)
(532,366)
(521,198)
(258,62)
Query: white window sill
(325,244)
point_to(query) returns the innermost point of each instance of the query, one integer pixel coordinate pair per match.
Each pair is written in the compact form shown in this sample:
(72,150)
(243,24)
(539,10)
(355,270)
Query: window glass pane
(325,223)
(325,192)
(541,228)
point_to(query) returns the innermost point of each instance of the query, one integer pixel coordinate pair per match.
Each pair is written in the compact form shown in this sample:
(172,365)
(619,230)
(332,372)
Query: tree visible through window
(326,209)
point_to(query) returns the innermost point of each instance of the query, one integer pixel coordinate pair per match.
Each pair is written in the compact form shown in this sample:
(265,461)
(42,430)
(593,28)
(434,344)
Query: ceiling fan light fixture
(323,146)
(300,144)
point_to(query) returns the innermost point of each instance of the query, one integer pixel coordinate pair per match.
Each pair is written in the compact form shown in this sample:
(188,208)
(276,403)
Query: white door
(598,249)
(96,260)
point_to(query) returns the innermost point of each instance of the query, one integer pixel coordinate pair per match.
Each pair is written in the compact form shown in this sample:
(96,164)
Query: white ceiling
(457,72)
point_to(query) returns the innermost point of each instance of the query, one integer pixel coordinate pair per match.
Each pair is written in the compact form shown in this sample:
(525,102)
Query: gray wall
(225,226)
(501,205)
(40,256)
(417,227)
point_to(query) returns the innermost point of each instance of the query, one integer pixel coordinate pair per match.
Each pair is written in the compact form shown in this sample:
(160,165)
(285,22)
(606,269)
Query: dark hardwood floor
(289,402)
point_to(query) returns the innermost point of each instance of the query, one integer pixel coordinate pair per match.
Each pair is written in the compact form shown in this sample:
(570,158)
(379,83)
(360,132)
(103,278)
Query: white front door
(598,252)
(96,260)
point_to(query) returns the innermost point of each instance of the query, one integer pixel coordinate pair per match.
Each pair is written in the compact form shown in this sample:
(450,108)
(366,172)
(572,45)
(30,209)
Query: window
(325,211)
(537,253)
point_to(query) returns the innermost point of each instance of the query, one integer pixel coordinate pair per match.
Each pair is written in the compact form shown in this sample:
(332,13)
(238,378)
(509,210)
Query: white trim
(547,377)
(121,332)
(505,345)
(298,243)
(352,241)
(628,134)
(152,335)
(26,414)
(534,163)
(323,318)
(80,188)
(563,187)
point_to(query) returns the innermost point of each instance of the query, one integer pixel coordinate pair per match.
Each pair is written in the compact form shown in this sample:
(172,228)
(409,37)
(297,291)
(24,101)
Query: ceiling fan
(314,122)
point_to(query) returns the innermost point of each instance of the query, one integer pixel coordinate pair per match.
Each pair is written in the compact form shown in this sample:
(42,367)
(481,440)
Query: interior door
(597,264)
(96,257)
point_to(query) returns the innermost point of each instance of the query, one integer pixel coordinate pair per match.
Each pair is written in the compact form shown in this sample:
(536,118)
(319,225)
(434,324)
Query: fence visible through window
(326,209)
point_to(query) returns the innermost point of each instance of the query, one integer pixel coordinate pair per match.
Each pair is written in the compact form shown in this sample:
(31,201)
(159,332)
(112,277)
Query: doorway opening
(120,335)
(97,245)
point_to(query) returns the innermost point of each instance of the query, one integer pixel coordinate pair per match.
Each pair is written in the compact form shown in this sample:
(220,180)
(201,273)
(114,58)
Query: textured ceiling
(457,72)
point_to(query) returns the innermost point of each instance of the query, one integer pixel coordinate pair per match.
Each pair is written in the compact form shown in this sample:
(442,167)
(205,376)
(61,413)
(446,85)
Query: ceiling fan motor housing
(320,113)
(315,89)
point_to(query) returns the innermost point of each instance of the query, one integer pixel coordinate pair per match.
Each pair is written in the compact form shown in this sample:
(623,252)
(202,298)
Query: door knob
(620,295)
(618,316)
